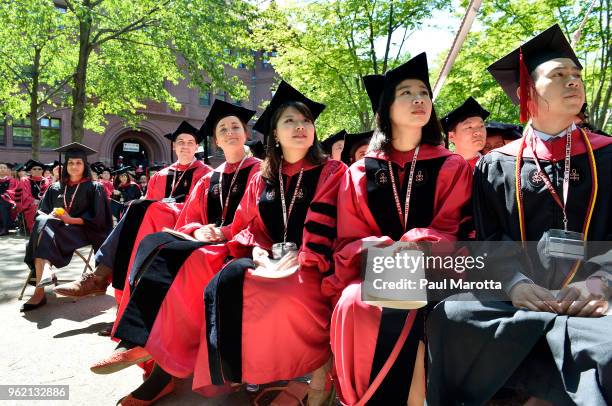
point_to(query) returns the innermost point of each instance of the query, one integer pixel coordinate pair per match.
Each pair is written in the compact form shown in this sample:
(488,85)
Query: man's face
(493,141)
(4,170)
(469,136)
(185,146)
(558,83)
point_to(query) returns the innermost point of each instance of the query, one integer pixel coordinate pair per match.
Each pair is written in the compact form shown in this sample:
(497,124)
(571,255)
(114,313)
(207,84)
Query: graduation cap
(469,108)
(74,150)
(513,70)
(9,165)
(352,142)
(200,155)
(415,68)
(327,143)
(124,169)
(374,85)
(31,164)
(506,131)
(257,148)
(99,167)
(185,128)
(52,165)
(19,167)
(219,110)
(285,94)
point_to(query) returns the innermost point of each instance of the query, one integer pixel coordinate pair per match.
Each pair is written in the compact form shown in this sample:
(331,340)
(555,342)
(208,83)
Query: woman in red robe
(267,321)
(168,291)
(32,189)
(8,186)
(408,140)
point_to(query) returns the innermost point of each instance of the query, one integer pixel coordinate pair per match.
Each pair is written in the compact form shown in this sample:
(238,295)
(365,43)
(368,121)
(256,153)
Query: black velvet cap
(185,128)
(124,169)
(257,148)
(507,131)
(32,163)
(352,142)
(219,110)
(284,94)
(327,143)
(469,108)
(75,150)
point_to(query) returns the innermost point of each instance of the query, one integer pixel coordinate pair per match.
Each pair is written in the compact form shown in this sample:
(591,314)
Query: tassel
(525,85)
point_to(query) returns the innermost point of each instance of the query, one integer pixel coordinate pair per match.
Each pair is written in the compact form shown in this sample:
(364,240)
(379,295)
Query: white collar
(547,137)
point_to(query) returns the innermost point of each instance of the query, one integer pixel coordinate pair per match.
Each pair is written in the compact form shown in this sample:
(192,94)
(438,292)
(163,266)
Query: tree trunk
(79,96)
(34,123)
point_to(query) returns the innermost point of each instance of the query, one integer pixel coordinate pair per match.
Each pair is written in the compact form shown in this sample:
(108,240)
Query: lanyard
(592,200)
(175,185)
(398,204)
(286,213)
(66,206)
(566,173)
(229,191)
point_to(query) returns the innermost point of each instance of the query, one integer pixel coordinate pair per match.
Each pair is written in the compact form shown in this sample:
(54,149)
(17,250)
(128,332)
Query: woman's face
(412,105)
(294,131)
(75,167)
(105,175)
(123,178)
(36,172)
(230,134)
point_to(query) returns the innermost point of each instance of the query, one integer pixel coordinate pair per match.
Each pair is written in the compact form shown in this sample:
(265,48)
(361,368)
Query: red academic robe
(360,332)
(32,191)
(108,187)
(162,214)
(282,329)
(175,349)
(8,186)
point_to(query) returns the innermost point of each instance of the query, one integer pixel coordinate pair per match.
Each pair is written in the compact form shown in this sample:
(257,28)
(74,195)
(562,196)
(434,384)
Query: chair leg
(87,266)
(25,285)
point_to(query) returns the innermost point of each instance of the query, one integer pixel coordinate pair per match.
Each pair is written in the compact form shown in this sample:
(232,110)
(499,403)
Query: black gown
(477,347)
(55,241)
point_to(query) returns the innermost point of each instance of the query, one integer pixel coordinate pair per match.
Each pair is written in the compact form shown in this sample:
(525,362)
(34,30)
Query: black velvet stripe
(182,188)
(223,301)
(395,388)
(151,289)
(147,247)
(380,194)
(324,208)
(321,229)
(322,249)
(214,212)
(213,205)
(132,219)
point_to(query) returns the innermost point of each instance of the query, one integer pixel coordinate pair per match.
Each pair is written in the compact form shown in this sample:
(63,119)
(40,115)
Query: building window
(49,133)
(205,99)
(265,59)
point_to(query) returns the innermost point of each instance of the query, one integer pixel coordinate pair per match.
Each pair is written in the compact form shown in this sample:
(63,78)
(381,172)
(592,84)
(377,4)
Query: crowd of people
(250,273)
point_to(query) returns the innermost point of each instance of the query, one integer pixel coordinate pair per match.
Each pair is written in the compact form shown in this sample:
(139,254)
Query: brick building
(144,145)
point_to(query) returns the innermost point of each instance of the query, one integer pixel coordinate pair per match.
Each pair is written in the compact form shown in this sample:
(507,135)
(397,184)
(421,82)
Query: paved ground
(57,343)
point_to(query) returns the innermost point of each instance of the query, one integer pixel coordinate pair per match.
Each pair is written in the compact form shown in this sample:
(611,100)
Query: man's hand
(533,297)
(209,233)
(576,300)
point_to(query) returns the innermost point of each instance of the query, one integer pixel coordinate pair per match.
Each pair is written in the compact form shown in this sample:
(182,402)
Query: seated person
(73,213)
(8,185)
(32,189)
(500,134)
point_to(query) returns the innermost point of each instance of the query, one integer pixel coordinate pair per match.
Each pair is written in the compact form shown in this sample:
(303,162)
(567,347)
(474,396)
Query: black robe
(55,241)
(476,346)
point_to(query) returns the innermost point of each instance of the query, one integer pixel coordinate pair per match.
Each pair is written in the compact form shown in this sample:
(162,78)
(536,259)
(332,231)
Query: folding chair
(31,278)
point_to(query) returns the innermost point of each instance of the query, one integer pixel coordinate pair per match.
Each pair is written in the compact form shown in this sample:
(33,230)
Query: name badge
(169,200)
(281,248)
(564,244)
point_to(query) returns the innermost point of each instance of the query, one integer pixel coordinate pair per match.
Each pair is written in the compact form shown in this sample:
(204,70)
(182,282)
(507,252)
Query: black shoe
(26,307)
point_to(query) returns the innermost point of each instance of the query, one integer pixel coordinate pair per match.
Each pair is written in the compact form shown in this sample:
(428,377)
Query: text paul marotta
(409,263)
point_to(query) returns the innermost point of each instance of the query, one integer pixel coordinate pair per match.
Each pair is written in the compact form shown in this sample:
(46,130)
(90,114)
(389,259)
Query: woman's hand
(260,257)
(209,233)
(289,260)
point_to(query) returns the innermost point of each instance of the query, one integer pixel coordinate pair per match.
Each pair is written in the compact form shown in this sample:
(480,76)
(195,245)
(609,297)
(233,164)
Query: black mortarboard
(98,167)
(507,131)
(469,108)
(548,45)
(257,148)
(219,110)
(200,155)
(415,68)
(75,150)
(327,143)
(374,85)
(284,94)
(185,128)
(19,167)
(9,165)
(124,169)
(32,163)
(352,142)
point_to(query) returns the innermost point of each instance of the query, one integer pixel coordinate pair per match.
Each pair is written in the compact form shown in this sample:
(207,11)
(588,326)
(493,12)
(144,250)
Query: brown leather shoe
(89,285)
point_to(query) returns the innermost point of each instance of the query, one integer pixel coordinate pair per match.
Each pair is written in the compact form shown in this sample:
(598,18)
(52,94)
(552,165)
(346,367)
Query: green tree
(507,24)
(128,52)
(35,62)
(325,49)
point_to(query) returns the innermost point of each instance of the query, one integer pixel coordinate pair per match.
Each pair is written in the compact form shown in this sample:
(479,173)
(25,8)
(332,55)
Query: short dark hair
(65,177)
(270,165)
(431,133)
